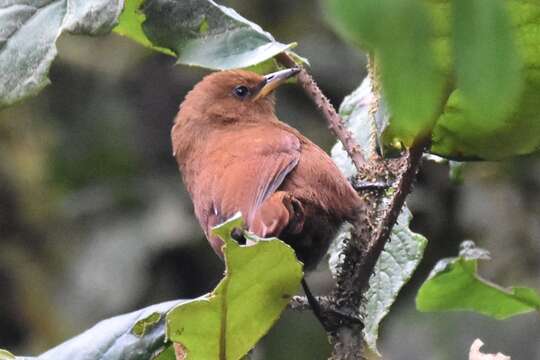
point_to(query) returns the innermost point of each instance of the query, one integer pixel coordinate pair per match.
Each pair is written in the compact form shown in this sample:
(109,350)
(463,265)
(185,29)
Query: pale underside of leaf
(393,270)
(134,336)
(200,33)
(28,39)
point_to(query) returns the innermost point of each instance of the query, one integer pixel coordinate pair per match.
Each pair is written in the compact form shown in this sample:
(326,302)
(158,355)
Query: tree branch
(335,123)
(372,229)
(382,235)
(363,250)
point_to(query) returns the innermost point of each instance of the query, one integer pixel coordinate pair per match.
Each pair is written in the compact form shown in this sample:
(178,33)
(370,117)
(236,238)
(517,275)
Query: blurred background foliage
(94,220)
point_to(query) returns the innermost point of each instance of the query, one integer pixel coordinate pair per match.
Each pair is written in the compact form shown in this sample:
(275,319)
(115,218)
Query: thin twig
(335,123)
(326,312)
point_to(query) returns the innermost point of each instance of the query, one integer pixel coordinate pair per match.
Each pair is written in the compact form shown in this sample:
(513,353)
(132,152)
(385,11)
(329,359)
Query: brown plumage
(235,155)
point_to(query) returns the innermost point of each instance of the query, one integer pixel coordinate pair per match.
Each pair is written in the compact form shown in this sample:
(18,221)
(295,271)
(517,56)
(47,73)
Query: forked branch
(360,260)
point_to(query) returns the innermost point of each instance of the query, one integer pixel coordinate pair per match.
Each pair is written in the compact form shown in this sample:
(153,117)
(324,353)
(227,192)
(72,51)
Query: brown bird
(235,155)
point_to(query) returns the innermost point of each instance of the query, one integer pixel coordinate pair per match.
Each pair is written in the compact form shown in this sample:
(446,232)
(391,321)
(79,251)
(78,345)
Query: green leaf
(167,354)
(225,229)
(395,267)
(494,114)
(487,66)
(399,35)
(25,58)
(141,327)
(135,336)
(491,48)
(454,284)
(259,282)
(130,25)
(271,65)
(200,32)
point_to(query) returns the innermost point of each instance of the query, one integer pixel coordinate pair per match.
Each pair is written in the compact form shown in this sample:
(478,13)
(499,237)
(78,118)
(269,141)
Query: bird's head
(233,96)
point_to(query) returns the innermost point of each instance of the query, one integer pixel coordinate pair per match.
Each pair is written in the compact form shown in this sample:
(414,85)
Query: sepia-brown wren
(236,155)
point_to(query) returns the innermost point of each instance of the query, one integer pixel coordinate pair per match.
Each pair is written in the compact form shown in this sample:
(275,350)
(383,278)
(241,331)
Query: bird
(235,155)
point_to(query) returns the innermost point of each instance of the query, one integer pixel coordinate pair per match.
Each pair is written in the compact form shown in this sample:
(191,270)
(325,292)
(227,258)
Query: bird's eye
(241,91)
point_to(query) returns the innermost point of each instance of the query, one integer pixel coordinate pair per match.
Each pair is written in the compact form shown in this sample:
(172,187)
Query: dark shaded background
(94,220)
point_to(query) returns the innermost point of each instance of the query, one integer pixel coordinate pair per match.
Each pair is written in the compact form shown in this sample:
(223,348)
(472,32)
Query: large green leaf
(258,284)
(454,284)
(487,65)
(29,33)
(491,49)
(399,35)
(495,113)
(199,32)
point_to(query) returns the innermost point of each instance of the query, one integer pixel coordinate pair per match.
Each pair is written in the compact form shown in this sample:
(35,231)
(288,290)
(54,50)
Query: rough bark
(371,230)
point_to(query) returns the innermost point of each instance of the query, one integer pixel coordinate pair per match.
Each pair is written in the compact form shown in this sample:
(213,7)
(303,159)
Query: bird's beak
(273,80)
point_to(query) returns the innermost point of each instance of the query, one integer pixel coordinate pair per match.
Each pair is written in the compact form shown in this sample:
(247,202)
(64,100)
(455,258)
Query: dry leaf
(179,351)
(476,354)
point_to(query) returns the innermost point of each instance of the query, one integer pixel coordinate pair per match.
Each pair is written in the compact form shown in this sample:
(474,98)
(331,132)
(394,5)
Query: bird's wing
(253,166)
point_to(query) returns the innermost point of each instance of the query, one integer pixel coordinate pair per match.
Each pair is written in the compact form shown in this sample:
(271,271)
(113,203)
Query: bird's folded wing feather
(257,162)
